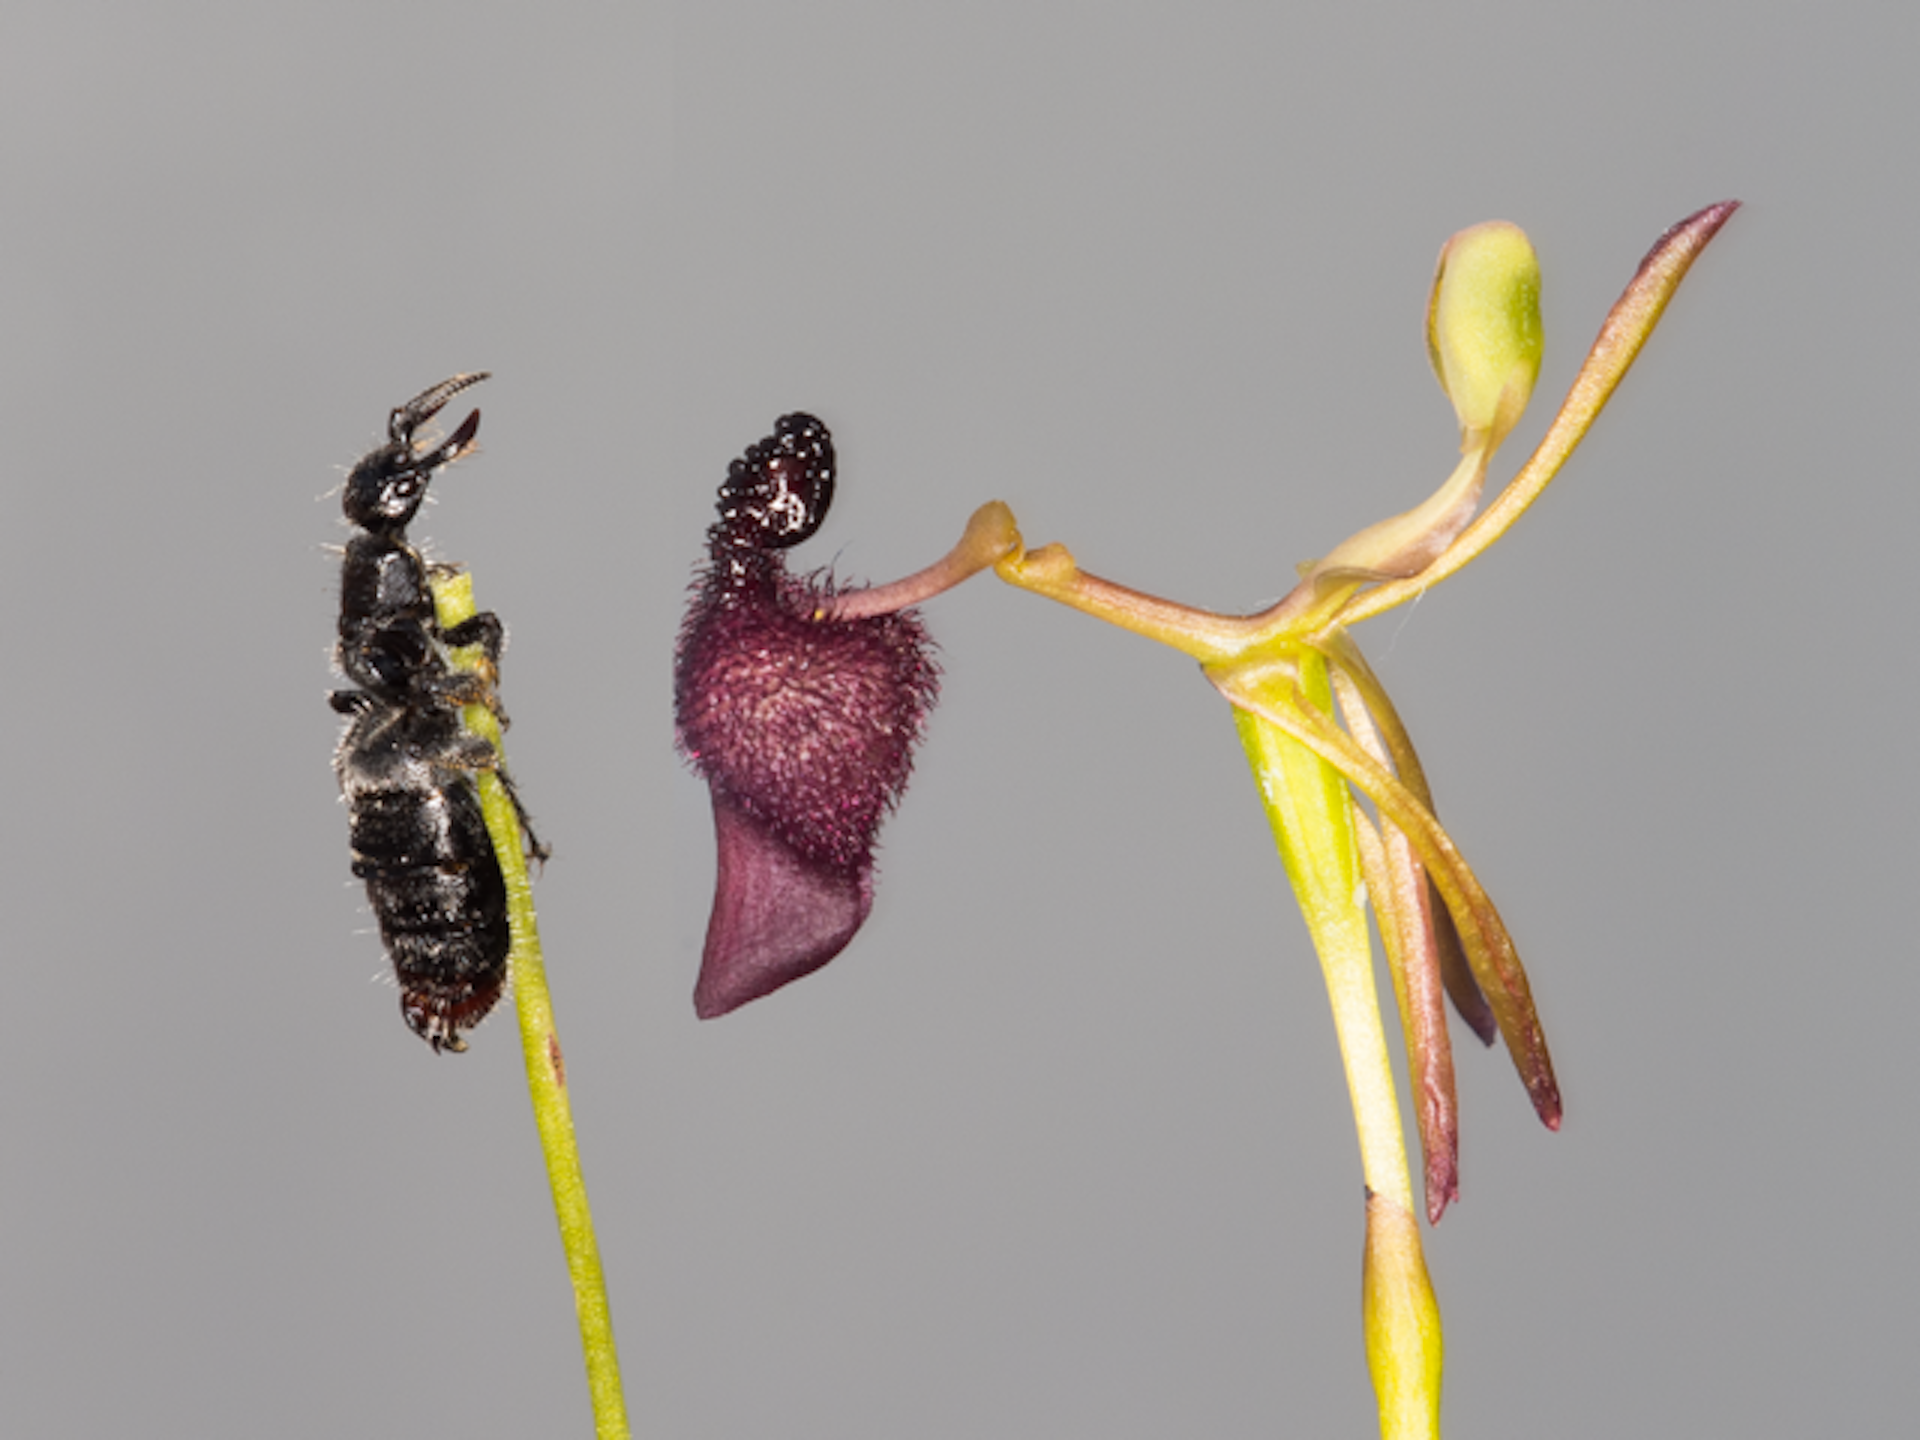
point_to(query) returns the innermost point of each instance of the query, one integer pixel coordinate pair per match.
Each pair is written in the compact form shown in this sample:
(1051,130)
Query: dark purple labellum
(803,728)
(775,916)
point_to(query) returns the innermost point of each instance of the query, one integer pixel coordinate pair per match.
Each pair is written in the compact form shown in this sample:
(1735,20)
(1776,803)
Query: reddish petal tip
(776,916)
(1546,1102)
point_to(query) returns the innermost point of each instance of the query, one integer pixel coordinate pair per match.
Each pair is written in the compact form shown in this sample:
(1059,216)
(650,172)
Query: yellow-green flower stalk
(540,1044)
(1321,735)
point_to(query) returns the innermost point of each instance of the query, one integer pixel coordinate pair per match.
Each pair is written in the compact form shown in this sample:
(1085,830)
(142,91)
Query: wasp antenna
(428,403)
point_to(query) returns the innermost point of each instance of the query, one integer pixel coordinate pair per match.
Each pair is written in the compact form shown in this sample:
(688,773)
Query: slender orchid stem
(1313,822)
(1405,1349)
(1312,819)
(546,1066)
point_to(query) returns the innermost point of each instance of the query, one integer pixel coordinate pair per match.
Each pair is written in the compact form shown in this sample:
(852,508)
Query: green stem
(1311,812)
(546,1066)
(1309,809)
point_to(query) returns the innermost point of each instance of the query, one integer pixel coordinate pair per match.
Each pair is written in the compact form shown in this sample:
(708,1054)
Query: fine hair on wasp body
(406,763)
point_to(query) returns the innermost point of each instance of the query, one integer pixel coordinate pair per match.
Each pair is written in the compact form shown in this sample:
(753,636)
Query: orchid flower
(1322,735)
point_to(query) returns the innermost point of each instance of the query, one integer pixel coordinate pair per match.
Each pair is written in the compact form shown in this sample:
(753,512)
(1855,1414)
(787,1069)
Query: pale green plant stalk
(540,1043)
(1319,839)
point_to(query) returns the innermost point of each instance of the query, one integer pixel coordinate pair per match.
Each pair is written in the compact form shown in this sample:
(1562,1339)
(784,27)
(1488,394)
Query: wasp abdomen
(420,843)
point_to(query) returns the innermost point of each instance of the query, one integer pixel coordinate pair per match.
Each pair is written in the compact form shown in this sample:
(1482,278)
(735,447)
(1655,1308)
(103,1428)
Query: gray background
(1060,1146)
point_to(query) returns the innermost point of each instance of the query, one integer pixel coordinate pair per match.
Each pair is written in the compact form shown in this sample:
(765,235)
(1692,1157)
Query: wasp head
(385,489)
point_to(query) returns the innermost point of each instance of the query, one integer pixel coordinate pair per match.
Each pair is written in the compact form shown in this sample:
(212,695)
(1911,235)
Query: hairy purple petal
(808,725)
(803,727)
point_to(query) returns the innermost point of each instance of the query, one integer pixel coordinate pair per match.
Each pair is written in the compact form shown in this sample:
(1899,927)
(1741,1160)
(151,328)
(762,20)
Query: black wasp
(406,764)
